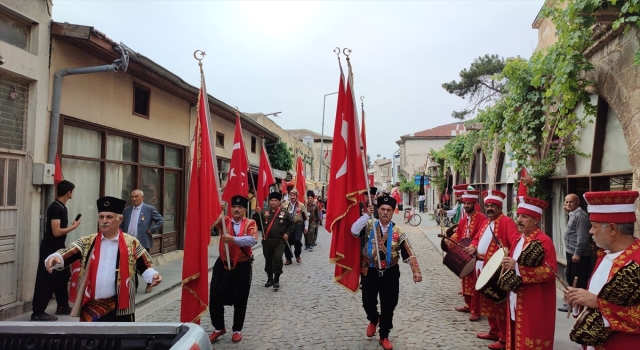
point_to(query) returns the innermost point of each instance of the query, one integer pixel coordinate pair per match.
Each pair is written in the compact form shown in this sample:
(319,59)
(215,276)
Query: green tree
(478,84)
(280,157)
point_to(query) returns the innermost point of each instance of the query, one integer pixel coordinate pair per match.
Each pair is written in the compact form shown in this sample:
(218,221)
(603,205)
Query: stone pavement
(312,312)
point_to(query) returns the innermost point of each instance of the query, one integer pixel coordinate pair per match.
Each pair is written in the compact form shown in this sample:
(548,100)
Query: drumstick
(575,283)
(558,277)
(445,237)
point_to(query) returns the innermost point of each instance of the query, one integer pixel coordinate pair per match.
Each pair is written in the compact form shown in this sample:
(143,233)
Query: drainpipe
(121,63)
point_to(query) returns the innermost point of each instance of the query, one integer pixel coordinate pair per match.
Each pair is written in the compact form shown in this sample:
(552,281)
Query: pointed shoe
(386,344)
(237,336)
(216,334)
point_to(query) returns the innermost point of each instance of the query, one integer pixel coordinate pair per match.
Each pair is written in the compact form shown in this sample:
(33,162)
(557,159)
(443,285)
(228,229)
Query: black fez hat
(111,204)
(373,190)
(311,194)
(275,195)
(386,200)
(240,200)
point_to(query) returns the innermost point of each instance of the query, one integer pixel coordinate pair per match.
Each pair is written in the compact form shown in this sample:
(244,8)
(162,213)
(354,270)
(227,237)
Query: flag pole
(213,155)
(347,52)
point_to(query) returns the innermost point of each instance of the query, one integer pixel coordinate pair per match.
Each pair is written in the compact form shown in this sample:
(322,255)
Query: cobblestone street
(312,312)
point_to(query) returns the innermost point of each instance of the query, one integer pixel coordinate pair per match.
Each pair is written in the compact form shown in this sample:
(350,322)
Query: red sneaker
(217,334)
(371,330)
(386,344)
(236,337)
(487,336)
(497,345)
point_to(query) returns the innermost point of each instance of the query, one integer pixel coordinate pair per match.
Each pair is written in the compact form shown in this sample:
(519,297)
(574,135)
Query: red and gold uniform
(623,322)
(493,234)
(531,307)
(468,228)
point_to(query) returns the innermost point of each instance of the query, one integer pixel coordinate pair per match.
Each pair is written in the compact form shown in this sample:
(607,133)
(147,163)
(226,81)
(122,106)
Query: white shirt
(106,274)
(133,224)
(483,245)
(513,297)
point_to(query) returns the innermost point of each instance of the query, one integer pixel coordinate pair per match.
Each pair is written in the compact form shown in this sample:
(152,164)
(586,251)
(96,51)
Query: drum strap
(495,239)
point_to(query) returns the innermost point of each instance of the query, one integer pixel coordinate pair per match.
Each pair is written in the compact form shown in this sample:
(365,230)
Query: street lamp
(322,140)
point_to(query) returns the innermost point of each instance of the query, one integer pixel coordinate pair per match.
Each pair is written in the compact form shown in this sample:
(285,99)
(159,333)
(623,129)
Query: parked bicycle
(411,218)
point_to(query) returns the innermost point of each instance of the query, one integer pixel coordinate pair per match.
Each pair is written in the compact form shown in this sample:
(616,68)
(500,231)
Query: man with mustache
(298,212)
(276,226)
(108,294)
(230,286)
(468,228)
(380,266)
(498,231)
(612,216)
(531,307)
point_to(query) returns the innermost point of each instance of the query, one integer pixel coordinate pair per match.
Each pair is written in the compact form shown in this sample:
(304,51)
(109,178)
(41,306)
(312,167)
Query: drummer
(531,307)
(612,216)
(498,230)
(467,229)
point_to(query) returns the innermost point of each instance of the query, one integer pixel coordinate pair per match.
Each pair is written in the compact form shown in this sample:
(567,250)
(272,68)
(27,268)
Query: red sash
(123,266)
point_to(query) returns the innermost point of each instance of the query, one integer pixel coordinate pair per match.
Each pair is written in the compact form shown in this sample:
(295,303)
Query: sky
(277,56)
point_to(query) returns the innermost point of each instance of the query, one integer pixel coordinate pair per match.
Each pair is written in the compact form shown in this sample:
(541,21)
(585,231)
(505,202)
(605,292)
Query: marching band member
(380,266)
(498,231)
(469,227)
(612,216)
(531,303)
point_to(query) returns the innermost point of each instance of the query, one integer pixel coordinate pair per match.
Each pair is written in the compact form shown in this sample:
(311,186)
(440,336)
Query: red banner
(203,208)
(265,178)
(301,182)
(347,181)
(237,183)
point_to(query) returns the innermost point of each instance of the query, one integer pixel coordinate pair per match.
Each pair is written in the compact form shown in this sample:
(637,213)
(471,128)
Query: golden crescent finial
(337,51)
(346,51)
(199,52)
(362,98)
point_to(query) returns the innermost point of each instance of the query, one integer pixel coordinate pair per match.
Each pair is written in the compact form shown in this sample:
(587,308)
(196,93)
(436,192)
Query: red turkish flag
(75,274)
(301,182)
(57,174)
(203,208)
(347,181)
(265,178)
(237,183)
(284,187)
(524,176)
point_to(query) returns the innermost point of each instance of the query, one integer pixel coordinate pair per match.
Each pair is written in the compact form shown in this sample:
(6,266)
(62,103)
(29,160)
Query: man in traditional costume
(298,212)
(230,286)
(380,266)
(467,230)
(313,211)
(612,216)
(531,306)
(456,213)
(276,226)
(107,276)
(496,232)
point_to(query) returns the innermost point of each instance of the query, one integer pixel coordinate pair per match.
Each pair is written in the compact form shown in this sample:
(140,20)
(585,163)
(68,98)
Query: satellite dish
(308,141)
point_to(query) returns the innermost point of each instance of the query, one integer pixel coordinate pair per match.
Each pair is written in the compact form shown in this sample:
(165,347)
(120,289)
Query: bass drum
(487,282)
(449,232)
